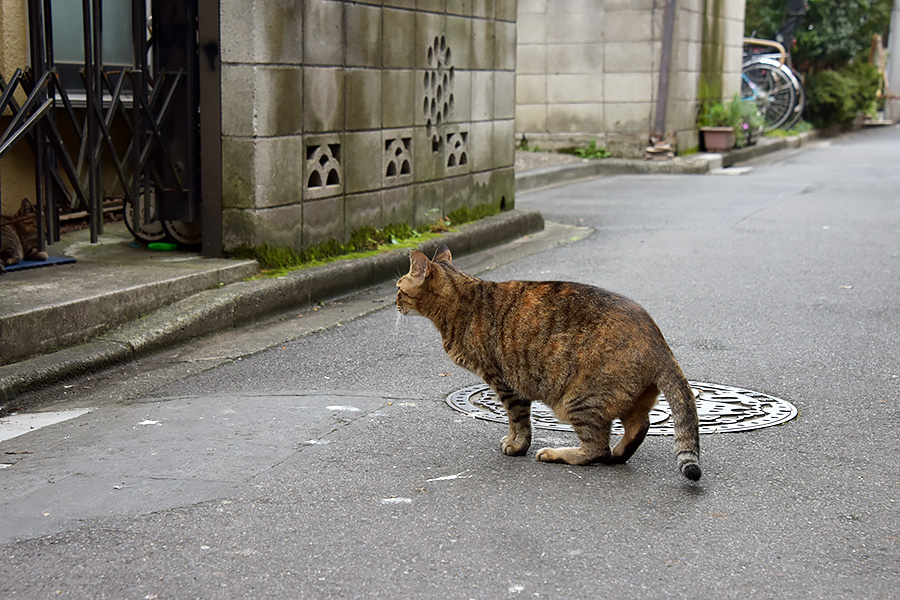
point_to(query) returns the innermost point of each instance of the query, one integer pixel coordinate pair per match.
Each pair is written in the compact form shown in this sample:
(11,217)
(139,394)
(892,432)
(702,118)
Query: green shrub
(866,81)
(830,34)
(829,99)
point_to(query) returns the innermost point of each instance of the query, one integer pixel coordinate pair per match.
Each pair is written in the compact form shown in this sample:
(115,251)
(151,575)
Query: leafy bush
(836,97)
(829,99)
(866,81)
(830,34)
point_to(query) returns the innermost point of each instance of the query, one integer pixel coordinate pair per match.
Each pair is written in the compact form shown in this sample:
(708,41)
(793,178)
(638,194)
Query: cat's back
(562,302)
(528,314)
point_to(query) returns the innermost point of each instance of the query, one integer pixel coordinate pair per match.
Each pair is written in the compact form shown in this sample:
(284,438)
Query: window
(67,19)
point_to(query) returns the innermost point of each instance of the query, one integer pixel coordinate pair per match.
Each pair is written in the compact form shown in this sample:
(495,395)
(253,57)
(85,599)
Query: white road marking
(449,477)
(16,425)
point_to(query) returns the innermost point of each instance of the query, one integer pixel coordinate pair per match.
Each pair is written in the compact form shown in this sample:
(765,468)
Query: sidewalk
(121,301)
(534,170)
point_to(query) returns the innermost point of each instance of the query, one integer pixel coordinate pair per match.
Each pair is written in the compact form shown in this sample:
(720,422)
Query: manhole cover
(721,408)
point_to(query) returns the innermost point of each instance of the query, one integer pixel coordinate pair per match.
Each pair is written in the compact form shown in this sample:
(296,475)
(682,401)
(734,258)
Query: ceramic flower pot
(717,139)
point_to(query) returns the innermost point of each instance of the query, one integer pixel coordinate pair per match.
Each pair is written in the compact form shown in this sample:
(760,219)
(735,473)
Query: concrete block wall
(706,61)
(589,69)
(338,115)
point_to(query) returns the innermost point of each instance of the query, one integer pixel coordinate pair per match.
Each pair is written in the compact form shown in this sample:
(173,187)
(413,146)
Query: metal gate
(132,113)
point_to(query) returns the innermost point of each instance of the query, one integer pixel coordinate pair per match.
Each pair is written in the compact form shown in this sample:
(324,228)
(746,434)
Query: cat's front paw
(546,455)
(514,447)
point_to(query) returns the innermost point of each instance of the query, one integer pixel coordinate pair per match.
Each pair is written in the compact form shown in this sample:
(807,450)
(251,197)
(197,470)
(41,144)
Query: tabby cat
(590,355)
(19,236)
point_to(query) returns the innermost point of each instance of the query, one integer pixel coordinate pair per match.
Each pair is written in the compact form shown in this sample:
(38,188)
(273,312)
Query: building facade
(341,115)
(590,69)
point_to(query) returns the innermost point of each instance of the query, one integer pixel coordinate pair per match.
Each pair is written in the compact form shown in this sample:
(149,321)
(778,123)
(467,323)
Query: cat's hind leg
(518,412)
(636,423)
(591,422)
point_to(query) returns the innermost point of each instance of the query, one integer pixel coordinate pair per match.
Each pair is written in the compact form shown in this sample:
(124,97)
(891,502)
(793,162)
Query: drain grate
(721,408)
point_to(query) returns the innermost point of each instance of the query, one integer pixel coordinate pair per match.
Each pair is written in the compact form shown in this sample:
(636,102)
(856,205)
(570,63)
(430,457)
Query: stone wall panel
(323,220)
(398,205)
(362,158)
(363,35)
(399,30)
(282,23)
(504,94)
(323,29)
(340,114)
(600,62)
(362,99)
(323,94)
(429,203)
(398,94)
(278,171)
(278,92)
(363,210)
(482,44)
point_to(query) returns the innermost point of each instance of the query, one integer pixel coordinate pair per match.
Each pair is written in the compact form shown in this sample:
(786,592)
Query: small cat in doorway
(19,236)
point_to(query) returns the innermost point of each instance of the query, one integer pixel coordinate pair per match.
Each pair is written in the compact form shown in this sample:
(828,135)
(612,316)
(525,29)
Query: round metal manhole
(721,408)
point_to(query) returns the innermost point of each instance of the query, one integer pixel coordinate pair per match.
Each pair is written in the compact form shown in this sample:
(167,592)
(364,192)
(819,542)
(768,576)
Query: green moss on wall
(712,54)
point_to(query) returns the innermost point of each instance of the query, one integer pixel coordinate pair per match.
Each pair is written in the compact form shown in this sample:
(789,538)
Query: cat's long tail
(674,385)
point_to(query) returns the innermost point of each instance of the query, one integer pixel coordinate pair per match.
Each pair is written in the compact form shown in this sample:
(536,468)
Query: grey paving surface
(121,300)
(311,455)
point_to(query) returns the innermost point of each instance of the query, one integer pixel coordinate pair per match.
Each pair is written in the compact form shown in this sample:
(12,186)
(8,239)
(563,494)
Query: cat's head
(415,285)
(25,208)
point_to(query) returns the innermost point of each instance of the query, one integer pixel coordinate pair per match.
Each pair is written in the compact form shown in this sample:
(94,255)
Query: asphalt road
(313,456)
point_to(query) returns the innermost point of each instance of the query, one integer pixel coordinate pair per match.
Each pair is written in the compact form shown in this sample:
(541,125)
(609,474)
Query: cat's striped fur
(589,354)
(19,236)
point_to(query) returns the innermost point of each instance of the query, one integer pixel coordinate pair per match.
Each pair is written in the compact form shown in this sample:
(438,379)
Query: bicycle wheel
(143,231)
(799,103)
(774,89)
(184,233)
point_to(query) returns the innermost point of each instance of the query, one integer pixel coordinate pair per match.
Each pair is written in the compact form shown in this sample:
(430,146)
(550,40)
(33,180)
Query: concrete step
(111,283)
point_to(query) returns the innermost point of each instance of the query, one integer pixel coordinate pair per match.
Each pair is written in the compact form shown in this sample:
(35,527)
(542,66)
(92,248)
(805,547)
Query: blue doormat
(36,264)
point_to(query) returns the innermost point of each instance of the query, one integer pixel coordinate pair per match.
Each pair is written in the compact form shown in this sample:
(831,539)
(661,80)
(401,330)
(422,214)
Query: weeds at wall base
(276,261)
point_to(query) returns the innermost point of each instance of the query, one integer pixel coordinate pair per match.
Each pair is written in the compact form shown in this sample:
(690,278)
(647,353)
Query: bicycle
(768,81)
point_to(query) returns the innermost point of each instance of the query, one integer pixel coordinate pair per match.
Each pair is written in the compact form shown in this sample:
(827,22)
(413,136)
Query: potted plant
(718,124)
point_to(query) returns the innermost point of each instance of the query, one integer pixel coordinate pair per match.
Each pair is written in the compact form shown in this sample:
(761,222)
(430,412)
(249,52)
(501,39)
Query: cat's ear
(418,265)
(443,253)
(26,207)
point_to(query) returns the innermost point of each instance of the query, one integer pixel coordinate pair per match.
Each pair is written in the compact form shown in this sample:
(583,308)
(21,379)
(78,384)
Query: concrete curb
(241,302)
(771,145)
(559,174)
(695,164)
